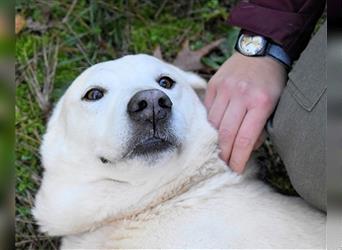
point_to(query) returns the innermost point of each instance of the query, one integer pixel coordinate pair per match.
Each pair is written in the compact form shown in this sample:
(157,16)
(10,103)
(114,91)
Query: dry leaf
(20,23)
(191,60)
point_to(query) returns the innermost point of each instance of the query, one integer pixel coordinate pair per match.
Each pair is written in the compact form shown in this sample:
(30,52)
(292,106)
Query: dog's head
(122,129)
(134,109)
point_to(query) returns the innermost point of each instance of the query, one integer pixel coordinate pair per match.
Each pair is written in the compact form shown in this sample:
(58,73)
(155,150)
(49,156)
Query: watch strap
(279,54)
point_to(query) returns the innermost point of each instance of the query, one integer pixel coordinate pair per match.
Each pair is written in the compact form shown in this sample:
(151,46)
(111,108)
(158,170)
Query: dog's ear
(197,83)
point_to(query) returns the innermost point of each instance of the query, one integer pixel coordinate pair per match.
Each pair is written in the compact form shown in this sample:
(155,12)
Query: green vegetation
(76,34)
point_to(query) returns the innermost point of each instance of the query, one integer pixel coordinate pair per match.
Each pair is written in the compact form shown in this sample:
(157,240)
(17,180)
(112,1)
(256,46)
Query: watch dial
(251,45)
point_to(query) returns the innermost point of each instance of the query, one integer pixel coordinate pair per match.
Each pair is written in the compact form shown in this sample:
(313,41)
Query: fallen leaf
(189,60)
(20,23)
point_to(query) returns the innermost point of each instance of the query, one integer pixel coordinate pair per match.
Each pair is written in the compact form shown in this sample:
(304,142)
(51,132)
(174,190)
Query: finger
(210,95)
(229,127)
(260,140)
(247,136)
(218,108)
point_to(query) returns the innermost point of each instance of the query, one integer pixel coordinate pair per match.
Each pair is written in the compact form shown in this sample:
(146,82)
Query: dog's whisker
(117,181)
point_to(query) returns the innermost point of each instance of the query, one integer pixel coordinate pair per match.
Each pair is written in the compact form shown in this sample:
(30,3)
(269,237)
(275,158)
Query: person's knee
(310,186)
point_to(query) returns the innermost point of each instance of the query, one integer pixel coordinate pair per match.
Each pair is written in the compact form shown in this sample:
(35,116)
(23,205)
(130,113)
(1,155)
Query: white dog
(132,162)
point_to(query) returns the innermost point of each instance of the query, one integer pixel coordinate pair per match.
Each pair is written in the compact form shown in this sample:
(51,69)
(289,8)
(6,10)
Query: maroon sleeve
(288,23)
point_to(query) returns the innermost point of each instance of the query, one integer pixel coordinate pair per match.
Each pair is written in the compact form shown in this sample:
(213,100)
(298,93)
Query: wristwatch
(250,45)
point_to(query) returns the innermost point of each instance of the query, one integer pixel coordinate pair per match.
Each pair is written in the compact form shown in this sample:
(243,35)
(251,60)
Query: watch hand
(248,43)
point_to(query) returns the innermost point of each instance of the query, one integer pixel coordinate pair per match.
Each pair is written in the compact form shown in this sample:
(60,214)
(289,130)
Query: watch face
(251,45)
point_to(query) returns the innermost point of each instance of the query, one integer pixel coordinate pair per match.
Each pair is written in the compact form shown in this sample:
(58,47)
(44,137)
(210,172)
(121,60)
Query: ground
(56,40)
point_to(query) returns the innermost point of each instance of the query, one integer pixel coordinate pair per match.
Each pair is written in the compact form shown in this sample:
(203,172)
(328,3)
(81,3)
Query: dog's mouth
(148,148)
(151,145)
(148,145)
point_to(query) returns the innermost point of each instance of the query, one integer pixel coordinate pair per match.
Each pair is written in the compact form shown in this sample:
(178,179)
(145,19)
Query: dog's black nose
(150,105)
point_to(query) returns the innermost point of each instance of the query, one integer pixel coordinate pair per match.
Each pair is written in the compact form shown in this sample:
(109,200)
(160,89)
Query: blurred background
(7,49)
(334,133)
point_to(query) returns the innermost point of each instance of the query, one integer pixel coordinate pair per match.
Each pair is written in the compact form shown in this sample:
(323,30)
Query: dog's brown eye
(166,82)
(93,94)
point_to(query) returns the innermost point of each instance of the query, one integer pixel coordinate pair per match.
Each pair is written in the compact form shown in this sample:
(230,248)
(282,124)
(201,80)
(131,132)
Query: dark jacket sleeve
(288,23)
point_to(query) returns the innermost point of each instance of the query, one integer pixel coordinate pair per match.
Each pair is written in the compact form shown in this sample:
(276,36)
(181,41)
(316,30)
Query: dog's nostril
(141,105)
(164,102)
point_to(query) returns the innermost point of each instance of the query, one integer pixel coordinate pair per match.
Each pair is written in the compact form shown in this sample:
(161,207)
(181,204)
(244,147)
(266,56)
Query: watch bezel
(261,52)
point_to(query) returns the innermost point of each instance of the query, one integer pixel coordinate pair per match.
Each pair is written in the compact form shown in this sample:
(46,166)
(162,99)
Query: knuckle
(242,87)
(243,142)
(263,99)
(224,86)
(227,83)
(226,133)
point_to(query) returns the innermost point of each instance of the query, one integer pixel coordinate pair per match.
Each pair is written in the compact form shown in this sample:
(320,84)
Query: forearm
(286,22)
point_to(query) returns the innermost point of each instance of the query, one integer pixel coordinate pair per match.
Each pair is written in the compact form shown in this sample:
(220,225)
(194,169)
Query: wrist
(254,63)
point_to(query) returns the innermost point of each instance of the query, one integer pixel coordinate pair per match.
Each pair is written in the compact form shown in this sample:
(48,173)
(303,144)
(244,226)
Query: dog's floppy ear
(197,83)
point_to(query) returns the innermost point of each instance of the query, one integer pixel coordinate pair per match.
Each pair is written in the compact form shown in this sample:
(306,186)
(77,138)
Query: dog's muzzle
(150,112)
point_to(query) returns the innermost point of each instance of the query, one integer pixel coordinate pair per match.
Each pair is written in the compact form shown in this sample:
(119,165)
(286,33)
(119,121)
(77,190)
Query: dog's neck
(195,171)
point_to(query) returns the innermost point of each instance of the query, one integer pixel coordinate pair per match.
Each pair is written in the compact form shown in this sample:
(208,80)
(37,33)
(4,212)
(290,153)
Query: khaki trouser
(298,127)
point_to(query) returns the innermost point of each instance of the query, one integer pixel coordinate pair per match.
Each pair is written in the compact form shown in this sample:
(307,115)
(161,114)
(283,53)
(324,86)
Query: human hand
(240,98)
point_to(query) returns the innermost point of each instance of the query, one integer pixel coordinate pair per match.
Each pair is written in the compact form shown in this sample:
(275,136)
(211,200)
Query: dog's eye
(166,82)
(93,94)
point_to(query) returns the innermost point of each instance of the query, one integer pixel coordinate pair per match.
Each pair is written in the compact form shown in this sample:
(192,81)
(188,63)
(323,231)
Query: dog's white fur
(184,199)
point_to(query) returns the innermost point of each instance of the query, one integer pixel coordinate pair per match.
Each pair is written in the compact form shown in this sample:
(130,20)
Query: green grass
(87,33)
